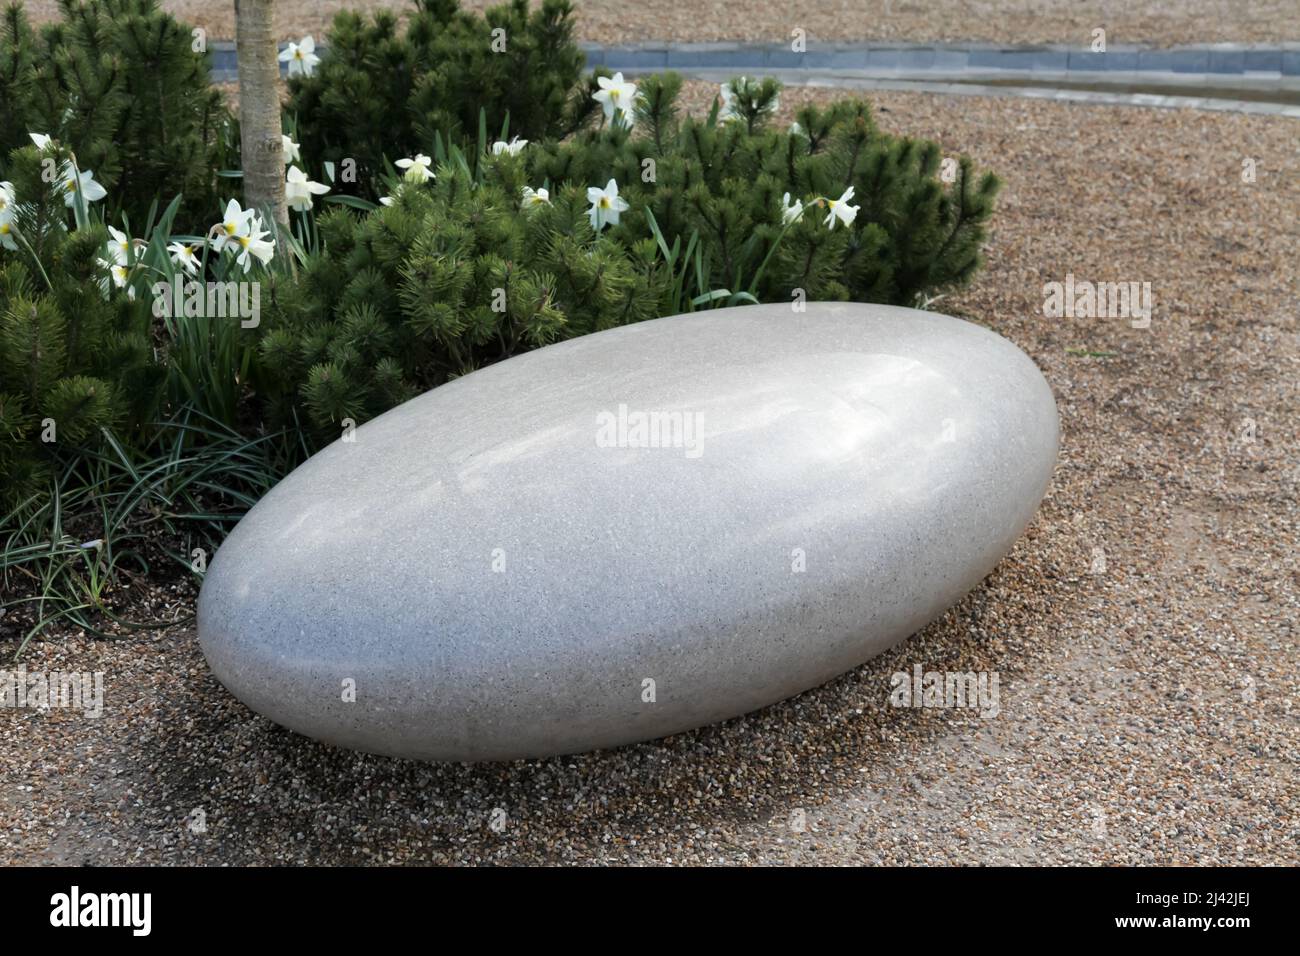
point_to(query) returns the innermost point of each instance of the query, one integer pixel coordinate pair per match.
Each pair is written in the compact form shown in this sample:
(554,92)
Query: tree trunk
(259,108)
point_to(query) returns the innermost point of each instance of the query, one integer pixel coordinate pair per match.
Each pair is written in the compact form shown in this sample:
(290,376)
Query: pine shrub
(76,355)
(381,93)
(724,179)
(118,82)
(452,276)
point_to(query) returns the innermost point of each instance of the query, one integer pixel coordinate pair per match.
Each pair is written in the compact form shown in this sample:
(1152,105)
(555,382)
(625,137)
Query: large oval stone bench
(632,533)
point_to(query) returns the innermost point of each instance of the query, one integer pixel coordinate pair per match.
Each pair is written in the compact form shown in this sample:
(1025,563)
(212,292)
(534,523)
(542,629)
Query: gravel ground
(1151,22)
(1147,689)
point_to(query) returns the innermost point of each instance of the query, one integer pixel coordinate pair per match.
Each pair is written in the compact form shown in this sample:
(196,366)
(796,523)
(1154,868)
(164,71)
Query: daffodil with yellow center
(606,204)
(234,223)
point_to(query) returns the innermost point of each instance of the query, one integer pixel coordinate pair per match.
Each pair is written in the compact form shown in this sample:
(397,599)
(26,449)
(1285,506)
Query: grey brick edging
(1259,68)
(1216,58)
(1213,58)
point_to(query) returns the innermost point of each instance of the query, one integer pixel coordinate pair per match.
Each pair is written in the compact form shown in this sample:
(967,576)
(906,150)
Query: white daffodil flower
(300,56)
(91,191)
(605,205)
(385,200)
(120,247)
(182,254)
(292,153)
(535,197)
(298,189)
(41,140)
(255,245)
(616,96)
(417,170)
(234,223)
(790,211)
(841,210)
(514,147)
(7,216)
(118,274)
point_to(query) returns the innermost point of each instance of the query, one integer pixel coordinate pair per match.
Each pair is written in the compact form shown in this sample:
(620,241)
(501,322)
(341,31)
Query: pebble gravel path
(1148,22)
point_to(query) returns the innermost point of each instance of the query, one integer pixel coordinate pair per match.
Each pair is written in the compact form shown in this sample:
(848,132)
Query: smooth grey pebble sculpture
(632,533)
